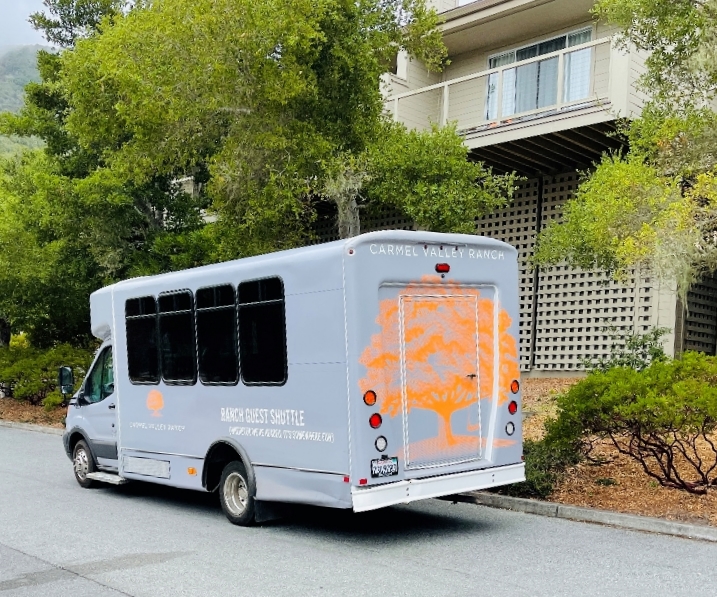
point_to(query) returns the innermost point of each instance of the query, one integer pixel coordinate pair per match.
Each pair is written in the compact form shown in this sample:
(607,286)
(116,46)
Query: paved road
(57,539)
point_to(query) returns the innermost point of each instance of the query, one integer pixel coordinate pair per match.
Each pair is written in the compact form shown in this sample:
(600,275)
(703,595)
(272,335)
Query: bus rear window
(262,332)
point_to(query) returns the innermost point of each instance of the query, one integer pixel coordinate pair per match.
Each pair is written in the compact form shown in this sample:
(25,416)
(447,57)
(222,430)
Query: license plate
(384,467)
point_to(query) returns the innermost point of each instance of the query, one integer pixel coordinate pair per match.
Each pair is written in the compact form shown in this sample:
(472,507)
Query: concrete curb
(606,517)
(32,427)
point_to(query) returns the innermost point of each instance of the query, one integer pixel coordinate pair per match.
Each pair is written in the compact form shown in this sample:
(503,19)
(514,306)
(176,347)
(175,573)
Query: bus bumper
(404,492)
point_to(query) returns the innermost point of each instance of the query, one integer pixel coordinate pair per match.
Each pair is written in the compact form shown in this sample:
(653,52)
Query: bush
(664,417)
(30,374)
(637,351)
(569,437)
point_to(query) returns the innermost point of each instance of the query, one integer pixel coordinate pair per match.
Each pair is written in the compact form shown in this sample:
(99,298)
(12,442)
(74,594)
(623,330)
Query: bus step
(108,478)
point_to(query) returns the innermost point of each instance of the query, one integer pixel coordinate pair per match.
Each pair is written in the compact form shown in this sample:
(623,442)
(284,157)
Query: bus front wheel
(83,464)
(236,494)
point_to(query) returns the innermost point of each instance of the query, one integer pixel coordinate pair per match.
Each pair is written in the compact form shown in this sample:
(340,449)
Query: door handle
(472,375)
(111,407)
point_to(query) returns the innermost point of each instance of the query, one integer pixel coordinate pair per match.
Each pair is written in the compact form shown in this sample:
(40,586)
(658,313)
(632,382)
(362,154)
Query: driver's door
(100,412)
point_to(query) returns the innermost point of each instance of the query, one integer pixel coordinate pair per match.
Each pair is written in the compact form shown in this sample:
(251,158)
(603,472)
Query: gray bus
(361,373)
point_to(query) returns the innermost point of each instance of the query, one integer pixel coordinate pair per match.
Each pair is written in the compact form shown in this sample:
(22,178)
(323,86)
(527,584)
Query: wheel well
(74,438)
(219,455)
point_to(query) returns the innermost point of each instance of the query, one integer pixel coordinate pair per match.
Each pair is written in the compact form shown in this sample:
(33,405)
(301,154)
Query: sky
(14,28)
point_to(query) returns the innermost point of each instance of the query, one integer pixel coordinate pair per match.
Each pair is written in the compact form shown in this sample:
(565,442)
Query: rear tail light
(370,397)
(513,407)
(375,420)
(514,386)
(443,268)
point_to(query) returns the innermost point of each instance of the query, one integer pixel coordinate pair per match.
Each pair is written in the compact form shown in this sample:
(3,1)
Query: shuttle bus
(361,373)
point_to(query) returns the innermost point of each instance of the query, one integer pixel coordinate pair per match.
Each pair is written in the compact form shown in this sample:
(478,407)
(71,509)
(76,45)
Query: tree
(439,336)
(282,104)
(69,224)
(654,207)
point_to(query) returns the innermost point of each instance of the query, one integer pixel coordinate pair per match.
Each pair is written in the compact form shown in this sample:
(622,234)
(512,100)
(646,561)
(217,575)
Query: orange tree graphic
(439,353)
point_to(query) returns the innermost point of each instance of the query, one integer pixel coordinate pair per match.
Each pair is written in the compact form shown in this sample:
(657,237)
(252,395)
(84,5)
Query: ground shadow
(421,520)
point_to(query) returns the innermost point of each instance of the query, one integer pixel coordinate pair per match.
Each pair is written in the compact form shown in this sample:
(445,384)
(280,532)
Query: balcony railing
(552,83)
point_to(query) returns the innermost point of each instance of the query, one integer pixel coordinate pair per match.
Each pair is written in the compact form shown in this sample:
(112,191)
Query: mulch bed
(619,484)
(21,412)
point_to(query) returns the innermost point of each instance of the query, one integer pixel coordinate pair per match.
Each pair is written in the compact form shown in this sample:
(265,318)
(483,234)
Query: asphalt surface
(57,539)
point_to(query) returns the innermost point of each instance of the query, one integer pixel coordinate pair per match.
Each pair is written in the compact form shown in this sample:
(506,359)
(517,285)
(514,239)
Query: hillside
(18,67)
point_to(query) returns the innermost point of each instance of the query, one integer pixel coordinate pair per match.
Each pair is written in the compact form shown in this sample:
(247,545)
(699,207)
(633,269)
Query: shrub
(664,417)
(30,374)
(636,351)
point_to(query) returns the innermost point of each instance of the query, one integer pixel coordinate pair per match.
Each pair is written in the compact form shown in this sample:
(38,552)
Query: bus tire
(236,494)
(83,464)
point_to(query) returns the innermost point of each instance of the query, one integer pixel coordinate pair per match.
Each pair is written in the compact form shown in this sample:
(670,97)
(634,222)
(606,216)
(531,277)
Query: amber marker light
(191,471)
(514,386)
(370,398)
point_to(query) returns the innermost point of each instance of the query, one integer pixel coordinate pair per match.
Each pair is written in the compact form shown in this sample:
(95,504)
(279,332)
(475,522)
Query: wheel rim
(82,464)
(236,494)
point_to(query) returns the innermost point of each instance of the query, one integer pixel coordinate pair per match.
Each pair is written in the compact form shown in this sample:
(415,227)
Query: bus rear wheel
(236,494)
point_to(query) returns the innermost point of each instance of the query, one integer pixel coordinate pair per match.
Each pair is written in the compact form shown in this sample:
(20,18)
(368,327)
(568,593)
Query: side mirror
(66,381)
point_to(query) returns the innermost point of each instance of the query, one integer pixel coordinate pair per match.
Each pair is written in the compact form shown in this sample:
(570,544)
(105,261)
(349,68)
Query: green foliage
(636,351)
(70,20)
(427,175)
(655,207)
(664,417)
(30,374)
(545,463)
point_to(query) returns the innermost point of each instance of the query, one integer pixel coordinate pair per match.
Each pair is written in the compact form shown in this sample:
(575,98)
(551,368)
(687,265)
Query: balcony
(580,87)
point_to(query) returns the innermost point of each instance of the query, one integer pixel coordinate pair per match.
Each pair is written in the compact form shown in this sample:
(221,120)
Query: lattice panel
(516,225)
(701,318)
(576,307)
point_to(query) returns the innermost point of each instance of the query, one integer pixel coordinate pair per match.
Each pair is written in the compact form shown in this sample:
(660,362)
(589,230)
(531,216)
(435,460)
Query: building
(536,87)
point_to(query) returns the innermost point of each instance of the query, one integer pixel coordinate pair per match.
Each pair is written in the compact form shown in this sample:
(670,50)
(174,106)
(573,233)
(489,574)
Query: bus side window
(262,332)
(217,335)
(141,328)
(176,337)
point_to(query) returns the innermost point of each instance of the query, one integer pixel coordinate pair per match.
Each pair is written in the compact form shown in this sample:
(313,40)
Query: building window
(217,335)
(176,337)
(141,329)
(535,85)
(262,332)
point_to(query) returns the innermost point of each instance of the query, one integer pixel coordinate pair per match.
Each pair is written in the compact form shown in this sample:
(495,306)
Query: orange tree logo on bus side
(439,359)
(155,402)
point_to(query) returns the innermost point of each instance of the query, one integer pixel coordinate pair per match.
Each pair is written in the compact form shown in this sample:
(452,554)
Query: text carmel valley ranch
(432,251)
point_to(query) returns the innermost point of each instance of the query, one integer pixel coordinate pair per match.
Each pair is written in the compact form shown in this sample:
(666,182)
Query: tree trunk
(349,222)
(4,333)
(444,429)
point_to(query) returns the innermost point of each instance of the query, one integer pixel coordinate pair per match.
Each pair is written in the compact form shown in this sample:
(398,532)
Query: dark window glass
(262,332)
(141,327)
(268,289)
(217,335)
(176,338)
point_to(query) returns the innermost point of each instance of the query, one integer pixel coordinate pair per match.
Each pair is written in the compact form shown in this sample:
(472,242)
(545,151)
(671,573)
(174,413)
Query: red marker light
(346,479)
(513,407)
(363,481)
(375,420)
(443,268)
